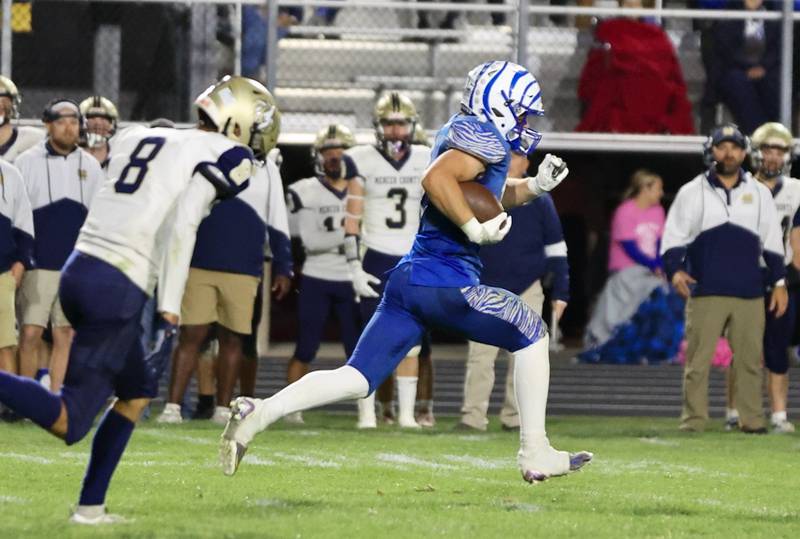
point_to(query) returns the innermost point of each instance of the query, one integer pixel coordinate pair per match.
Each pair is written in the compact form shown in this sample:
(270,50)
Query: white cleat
(171,415)
(408,423)
(295,418)
(553,463)
(96,518)
(367,423)
(221,415)
(235,437)
(782,427)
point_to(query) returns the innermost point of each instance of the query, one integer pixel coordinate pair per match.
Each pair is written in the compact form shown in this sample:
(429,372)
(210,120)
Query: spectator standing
(745,67)
(637,317)
(638,224)
(632,81)
(720,226)
(61,180)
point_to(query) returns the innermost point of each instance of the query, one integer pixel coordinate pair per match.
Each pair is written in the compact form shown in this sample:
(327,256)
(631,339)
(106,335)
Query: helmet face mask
(771,151)
(395,120)
(327,153)
(506,95)
(100,117)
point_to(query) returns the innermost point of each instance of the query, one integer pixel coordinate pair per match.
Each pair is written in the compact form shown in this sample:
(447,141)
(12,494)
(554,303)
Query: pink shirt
(630,222)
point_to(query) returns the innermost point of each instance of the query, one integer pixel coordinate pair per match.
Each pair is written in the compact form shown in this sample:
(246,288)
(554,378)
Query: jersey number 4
(145,151)
(399,196)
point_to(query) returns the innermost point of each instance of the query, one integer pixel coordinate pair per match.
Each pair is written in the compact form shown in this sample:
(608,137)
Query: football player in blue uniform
(437,284)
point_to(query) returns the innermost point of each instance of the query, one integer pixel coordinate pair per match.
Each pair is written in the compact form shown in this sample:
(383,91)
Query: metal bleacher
(344,72)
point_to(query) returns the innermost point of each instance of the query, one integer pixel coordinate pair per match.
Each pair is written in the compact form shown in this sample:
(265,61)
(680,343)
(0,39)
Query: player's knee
(131,409)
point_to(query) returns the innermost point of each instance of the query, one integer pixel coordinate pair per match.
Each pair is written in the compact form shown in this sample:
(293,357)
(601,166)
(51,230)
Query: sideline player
(387,193)
(317,205)
(771,155)
(14,139)
(141,228)
(101,124)
(437,283)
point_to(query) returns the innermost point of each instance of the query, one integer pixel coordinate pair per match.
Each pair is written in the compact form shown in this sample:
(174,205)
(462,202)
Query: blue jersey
(442,256)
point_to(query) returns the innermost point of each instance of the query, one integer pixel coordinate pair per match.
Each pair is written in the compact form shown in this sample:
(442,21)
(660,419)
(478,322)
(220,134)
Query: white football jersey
(22,138)
(318,219)
(145,217)
(787,201)
(392,197)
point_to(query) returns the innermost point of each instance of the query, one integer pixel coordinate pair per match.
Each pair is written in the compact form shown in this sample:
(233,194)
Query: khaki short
(37,301)
(217,296)
(8,319)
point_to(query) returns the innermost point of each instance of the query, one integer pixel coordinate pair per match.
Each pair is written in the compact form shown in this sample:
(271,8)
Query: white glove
(491,231)
(552,171)
(362,281)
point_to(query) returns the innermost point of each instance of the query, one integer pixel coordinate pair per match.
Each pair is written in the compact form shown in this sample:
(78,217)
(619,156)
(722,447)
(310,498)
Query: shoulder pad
(230,174)
(477,139)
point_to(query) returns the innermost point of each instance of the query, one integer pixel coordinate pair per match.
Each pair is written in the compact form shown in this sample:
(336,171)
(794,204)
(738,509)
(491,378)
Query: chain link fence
(330,60)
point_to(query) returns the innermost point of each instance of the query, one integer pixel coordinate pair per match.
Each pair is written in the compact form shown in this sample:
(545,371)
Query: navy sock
(108,445)
(29,399)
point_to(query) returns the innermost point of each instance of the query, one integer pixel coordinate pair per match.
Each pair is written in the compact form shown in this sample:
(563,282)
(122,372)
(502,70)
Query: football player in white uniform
(14,139)
(141,229)
(101,124)
(383,206)
(771,155)
(317,206)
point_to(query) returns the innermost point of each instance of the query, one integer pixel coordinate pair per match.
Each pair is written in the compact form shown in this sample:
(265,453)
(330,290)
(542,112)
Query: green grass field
(327,480)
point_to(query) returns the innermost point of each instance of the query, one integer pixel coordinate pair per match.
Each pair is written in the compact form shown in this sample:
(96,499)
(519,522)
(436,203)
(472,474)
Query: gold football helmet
(394,108)
(243,110)
(9,89)
(775,135)
(97,106)
(328,138)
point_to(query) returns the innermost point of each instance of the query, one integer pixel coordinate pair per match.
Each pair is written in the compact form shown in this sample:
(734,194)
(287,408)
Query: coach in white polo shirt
(719,228)
(61,179)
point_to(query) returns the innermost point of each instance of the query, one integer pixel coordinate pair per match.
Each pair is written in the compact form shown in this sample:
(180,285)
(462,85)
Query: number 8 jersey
(161,184)
(392,197)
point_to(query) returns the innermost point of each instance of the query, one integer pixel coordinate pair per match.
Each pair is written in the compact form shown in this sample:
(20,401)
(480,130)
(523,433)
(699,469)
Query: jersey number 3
(399,196)
(145,151)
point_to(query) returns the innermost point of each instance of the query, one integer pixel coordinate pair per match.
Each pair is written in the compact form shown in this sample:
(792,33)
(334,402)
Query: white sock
(778,417)
(366,410)
(91,511)
(172,407)
(406,397)
(315,389)
(731,413)
(531,384)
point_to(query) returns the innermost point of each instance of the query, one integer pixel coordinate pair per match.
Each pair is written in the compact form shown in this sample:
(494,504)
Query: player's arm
(440,182)
(552,171)
(22,226)
(354,211)
(192,207)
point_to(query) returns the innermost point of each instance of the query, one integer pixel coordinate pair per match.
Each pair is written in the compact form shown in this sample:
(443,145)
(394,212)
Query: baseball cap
(728,132)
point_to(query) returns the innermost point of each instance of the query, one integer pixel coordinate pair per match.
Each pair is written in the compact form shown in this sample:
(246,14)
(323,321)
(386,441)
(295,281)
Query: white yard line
(26,458)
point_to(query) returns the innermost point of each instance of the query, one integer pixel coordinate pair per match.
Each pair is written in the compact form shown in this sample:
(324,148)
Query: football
(482,202)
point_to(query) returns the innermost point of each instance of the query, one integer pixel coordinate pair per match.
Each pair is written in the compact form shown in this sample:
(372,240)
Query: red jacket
(632,82)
